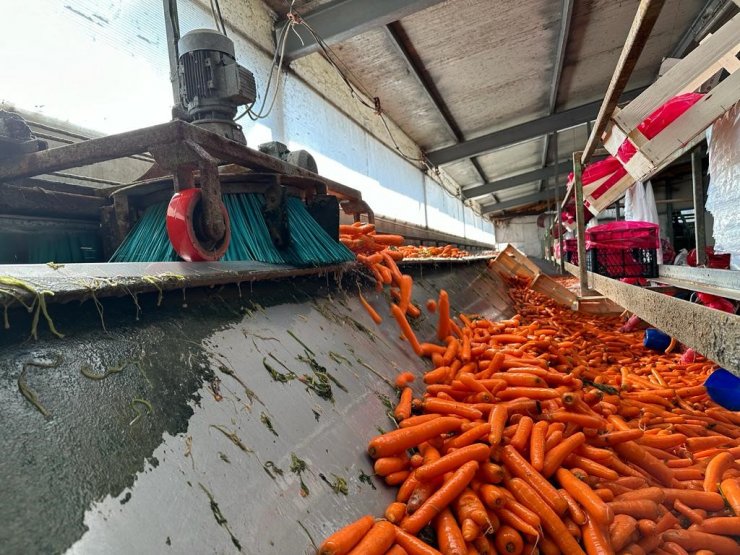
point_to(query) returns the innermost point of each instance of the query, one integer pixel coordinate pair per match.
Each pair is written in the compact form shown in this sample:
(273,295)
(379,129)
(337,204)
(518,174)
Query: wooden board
(551,288)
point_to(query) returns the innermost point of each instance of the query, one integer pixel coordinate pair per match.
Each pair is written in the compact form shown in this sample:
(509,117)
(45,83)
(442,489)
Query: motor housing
(212,84)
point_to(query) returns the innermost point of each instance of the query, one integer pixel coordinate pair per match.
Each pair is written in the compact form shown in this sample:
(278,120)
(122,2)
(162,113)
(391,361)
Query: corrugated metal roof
(493,64)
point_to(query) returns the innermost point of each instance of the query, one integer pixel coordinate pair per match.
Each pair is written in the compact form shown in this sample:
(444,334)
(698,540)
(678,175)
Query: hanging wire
(217,17)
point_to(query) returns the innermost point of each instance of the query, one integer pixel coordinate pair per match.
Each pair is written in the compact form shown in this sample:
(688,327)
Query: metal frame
(508,182)
(724,283)
(522,132)
(344,19)
(712,333)
(545,194)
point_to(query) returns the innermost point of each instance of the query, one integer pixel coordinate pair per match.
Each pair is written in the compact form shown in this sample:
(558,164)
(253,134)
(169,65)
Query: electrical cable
(220,17)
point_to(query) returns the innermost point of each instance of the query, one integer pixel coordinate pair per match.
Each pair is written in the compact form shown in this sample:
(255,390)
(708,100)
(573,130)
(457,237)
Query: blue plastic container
(724,389)
(656,340)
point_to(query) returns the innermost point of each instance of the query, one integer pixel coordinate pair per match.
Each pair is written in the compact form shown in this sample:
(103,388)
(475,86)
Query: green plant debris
(316,414)
(320,370)
(275,375)
(139,413)
(313,543)
(87,371)
(319,384)
(251,395)
(223,457)
(272,469)
(265,419)
(381,431)
(302,344)
(215,387)
(339,485)
(54,265)
(602,387)
(26,390)
(233,437)
(298,466)
(220,519)
(339,359)
(366,479)
(9,288)
(385,400)
(159,280)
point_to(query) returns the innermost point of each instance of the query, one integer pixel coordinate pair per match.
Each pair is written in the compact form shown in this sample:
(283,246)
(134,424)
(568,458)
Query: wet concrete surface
(241,390)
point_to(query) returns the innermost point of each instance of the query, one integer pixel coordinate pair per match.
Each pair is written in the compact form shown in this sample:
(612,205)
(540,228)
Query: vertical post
(172,30)
(698,184)
(558,207)
(580,223)
(616,211)
(669,212)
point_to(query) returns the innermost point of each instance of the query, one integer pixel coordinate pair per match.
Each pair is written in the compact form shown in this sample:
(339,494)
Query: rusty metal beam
(522,132)
(712,333)
(645,18)
(343,19)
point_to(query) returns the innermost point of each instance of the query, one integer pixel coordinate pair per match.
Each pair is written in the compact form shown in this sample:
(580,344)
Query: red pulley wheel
(183,213)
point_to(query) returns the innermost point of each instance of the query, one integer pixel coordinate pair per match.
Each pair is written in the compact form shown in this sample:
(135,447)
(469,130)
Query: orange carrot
(431,305)
(406,285)
(595,541)
(633,453)
(395,512)
(413,545)
(637,508)
(523,431)
(377,541)
(497,420)
(693,540)
(370,310)
(476,452)
(730,488)
(403,408)
(388,465)
(441,498)
(443,406)
(715,469)
(416,420)
(343,540)
(622,531)
(443,326)
(406,328)
(557,455)
(592,503)
(518,466)
(396,441)
(396,550)
(508,541)
(725,525)
(449,535)
(537,445)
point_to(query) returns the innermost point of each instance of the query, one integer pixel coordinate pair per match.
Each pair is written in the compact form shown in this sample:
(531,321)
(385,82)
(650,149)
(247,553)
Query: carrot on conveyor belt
(551,432)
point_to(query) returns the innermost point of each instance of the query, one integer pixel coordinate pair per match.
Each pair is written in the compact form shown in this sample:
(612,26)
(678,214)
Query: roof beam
(712,13)
(645,18)
(343,19)
(415,66)
(522,132)
(522,201)
(512,181)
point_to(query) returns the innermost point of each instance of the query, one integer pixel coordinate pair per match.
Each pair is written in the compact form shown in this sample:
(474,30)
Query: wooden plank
(645,18)
(686,76)
(713,333)
(551,288)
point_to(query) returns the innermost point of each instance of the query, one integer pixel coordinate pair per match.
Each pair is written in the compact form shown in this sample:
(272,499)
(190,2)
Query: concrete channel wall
(187,445)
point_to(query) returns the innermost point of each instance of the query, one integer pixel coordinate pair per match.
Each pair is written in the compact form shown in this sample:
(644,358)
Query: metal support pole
(669,212)
(698,185)
(559,208)
(580,223)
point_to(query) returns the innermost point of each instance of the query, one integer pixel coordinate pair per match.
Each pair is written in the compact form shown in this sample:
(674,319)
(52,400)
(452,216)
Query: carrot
(370,310)
(693,516)
(396,441)
(343,540)
(414,546)
(476,452)
(613,438)
(408,333)
(724,525)
(637,508)
(497,420)
(518,466)
(574,510)
(443,406)
(633,453)
(557,455)
(395,512)
(404,378)
(730,488)
(397,478)
(473,434)
(449,536)
(551,522)
(537,445)
(388,465)
(443,325)
(392,240)
(523,431)
(695,499)
(508,541)
(492,496)
(692,540)
(406,286)
(657,495)
(396,550)
(441,498)
(715,469)
(594,540)
(592,503)
(431,305)
(377,541)
(420,419)
(622,531)
(403,408)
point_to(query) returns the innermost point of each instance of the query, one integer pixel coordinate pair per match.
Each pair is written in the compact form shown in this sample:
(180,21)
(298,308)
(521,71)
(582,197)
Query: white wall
(110,74)
(522,232)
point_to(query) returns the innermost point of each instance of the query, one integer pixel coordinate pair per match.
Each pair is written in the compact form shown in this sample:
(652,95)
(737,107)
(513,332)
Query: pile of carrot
(448,251)
(551,433)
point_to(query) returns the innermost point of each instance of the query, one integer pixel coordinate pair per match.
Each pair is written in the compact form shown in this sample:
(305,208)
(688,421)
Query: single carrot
(419,419)
(518,466)
(408,333)
(696,499)
(387,239)
(723,525)
(557,455)
(633,453)
(396,441)
(523,431)
(497,420)
(443,325)
(476,452)
(449,536)
(508,541)
(440,499)
(377,541)
(592,503)
(396,550)
(574,509)
(694,516)
(397,478)
(395,512)
(443,406)
(715,469)
(370,310)
(537,445)
(388,465)
(693,540)
(403,408)
(431,305)
(343,540)
(406,286)
(413,545)
(595,541)
(637,508)
(622,531)
(467,438)
(404,378)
